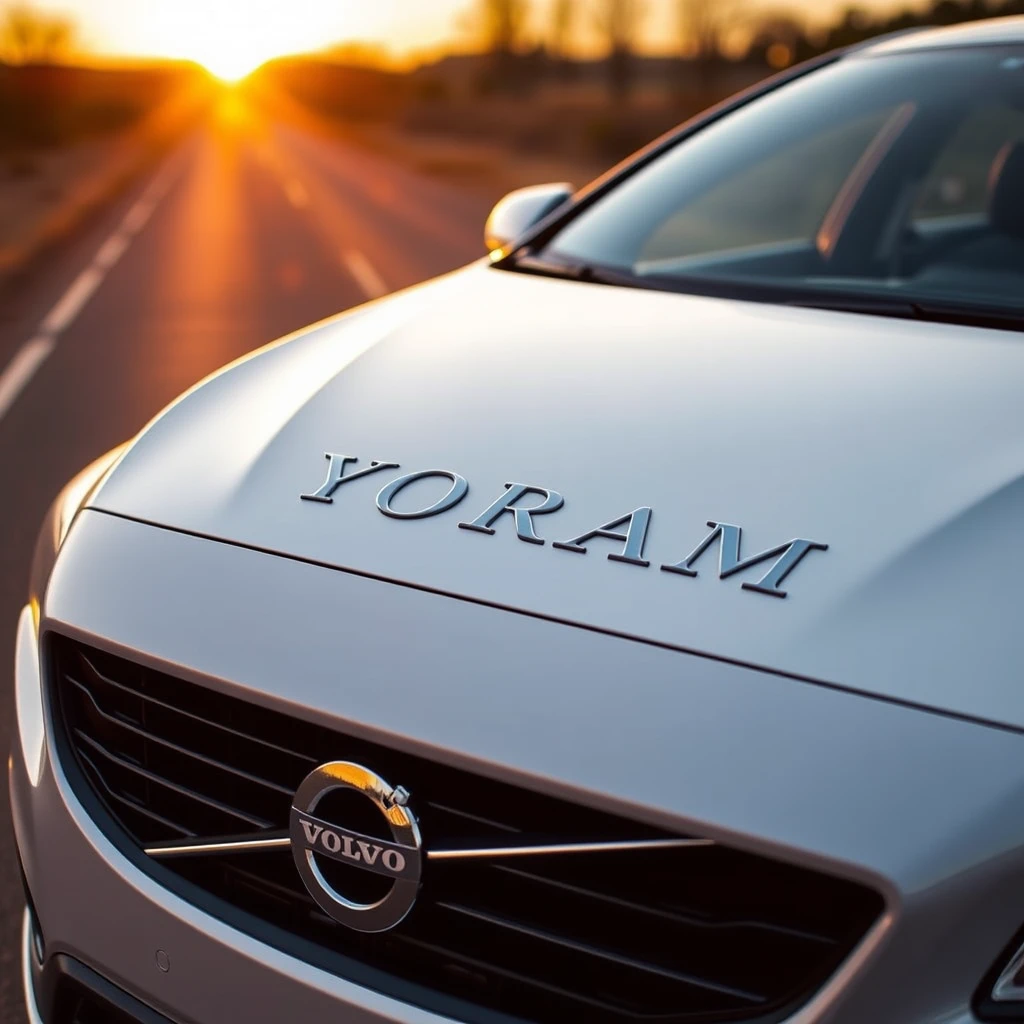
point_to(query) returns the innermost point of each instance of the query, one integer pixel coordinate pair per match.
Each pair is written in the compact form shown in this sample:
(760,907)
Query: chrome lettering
(370,853)
(786,558)
(336,475)
(632,540)
(630,530)
(311,830)
(455,494)
(393,861)
(523,517)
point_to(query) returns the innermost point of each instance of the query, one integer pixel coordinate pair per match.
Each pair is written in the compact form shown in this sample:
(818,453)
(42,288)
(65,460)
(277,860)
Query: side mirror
(520,210)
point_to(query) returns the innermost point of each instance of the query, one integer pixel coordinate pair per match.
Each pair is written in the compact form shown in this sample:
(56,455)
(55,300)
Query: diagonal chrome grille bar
(555,849)
(280,840)
(228,844)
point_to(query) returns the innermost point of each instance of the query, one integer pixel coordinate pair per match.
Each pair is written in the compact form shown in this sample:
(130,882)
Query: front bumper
(67,992)
(927,809)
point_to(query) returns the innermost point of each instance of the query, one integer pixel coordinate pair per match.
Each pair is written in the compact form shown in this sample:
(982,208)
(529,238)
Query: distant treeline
(857,25)
(529,94)
(337,90)
(525,40)
(514,61)
(49,104)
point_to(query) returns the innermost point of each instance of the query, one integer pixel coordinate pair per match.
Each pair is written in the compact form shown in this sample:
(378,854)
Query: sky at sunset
(232,36)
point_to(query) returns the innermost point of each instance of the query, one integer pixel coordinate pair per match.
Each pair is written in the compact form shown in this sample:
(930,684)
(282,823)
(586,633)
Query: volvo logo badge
(314,838)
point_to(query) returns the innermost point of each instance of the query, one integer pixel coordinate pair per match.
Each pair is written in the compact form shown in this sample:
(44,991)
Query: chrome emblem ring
(313,838)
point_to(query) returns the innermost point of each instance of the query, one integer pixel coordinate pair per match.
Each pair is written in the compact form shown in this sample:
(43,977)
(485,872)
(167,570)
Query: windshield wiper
(922,310)
(854,304)
(566,271)
(915,309)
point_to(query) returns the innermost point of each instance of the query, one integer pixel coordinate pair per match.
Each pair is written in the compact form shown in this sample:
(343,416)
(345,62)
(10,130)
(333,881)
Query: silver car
(625,628)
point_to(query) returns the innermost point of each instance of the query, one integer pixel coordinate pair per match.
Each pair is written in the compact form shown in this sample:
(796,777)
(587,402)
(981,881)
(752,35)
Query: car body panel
(926,808)
(900,445)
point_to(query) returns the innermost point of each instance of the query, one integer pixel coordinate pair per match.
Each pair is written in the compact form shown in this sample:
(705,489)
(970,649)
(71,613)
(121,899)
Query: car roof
(975,33)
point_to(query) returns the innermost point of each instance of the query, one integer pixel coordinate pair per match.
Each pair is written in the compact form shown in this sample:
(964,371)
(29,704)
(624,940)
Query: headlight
(28,693)
(1001,996)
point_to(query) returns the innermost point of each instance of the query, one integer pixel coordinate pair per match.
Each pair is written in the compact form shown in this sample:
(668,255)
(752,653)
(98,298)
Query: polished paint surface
(876,459)
(256,236)
(927,809)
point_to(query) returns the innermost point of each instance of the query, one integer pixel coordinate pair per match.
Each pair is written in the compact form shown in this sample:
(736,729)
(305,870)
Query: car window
(958,181)
(782,197)
(892,174)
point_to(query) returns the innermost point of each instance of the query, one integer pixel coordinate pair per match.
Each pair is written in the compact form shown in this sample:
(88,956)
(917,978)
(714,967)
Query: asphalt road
(247,231)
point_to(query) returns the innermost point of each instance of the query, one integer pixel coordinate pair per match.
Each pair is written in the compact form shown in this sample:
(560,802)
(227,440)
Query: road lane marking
(296,193)
(365,274)
(112,249)
(135,219)
(22,368)
(73,300)
(31,356)
(161,184)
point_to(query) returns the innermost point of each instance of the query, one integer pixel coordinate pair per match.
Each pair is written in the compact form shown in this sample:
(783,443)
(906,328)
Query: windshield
(898,176)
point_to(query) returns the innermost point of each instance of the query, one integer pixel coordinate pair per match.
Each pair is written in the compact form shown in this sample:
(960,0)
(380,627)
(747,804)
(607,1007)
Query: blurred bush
(544,111)
(347,92)
(527,88)
(51,104)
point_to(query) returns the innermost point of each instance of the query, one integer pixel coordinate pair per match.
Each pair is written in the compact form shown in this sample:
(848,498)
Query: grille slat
(150,737)
(159,819)
(604,955)
(595,1006)
(693,922)
(234,733)
(260,824)
(692,936)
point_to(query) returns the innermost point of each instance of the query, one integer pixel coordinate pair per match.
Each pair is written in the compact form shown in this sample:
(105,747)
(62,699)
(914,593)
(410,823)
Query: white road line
(27,360)
(161,184)
(112,250)
(21,369)
(73,300)
(363,271)
(296,193)
(135,219)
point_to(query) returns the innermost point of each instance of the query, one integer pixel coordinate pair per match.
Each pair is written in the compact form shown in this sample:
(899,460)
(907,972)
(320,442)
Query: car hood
(898,445)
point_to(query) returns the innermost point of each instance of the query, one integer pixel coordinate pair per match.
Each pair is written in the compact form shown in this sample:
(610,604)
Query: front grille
(674,936)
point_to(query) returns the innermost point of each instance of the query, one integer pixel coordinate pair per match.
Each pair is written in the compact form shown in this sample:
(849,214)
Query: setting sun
(231,60)
(233,37)
(233,41)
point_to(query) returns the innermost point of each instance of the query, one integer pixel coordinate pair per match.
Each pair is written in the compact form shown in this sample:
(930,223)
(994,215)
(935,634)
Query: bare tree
(560,27)
(703,25)
(29,36)
(559,36)
(500,26)
(502,23)
(619,22)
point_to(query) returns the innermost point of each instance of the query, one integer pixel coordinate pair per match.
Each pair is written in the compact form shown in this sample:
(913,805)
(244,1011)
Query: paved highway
(248,231)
